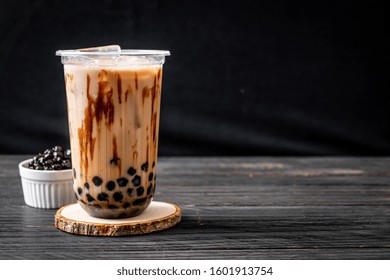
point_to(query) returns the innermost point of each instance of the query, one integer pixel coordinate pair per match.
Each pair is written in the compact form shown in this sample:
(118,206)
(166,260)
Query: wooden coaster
(158,216)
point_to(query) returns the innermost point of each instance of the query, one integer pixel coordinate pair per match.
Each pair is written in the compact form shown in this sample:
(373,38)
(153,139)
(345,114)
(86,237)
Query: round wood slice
(158,216)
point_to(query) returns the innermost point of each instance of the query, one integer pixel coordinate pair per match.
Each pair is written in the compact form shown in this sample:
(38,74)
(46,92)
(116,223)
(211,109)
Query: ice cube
(110,48)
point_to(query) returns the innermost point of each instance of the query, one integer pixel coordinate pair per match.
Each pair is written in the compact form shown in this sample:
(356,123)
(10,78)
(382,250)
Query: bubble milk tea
(113,101)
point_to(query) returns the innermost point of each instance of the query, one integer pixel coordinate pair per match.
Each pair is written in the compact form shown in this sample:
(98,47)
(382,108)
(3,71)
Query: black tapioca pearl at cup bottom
(97,181)
(136,181)
(144,167)
(126,205)
(90,198)
(111,206)
(122,182)
(86,185)
(140,191)
(131,171)
(118,196)
(150,176)
(102,197)
(110,186)
(139,201)
(149,189)
(129,191)
(79,190)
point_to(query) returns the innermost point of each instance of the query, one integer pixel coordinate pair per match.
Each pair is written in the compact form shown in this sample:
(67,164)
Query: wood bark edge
(133,228)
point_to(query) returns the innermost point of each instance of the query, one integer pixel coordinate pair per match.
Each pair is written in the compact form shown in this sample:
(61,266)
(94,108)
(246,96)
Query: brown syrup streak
(85,133)
(159,74)
(145,94)
(97,108)
(119,85)
(115,157)
(136,81)
(154,115)
(104,103)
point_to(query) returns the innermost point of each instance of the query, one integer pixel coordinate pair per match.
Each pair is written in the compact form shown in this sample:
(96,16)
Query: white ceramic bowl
(46,188)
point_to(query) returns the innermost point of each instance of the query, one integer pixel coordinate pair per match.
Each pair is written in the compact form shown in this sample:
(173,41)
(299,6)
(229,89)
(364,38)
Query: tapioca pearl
(129,191)
(131,171)
(111,206)
(110,186)
(122,182)
(140,191)
(90,198)
(58,154)
(58,149)
(56,166)
(139,201)
(66,164)
(57,159)
(149,189)
(86,185)
(79,190)
(118,196)
(102,197)
(68,153)
(97,181)
(150,177)
(144,167)
(126,205)
(136,181)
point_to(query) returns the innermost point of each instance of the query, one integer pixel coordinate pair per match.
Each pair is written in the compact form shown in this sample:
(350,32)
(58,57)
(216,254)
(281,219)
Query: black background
(244,78)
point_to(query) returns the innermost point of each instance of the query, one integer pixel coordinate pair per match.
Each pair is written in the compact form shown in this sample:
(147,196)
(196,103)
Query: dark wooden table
(233,208)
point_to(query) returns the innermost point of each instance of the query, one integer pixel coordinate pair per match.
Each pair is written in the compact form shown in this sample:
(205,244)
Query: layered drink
(113,99)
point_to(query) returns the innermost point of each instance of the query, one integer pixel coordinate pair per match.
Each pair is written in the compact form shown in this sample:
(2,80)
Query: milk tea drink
(113,99)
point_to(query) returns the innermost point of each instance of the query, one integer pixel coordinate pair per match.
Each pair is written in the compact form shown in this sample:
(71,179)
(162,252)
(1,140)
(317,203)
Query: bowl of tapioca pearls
(47,179)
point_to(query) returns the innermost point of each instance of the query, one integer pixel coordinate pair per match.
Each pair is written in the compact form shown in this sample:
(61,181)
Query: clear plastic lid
(106,54)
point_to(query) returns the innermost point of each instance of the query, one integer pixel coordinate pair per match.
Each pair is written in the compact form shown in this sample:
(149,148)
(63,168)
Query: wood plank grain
(233,208)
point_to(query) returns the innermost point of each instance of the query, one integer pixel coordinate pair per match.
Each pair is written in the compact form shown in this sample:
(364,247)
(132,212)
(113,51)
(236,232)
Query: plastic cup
(113,101)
